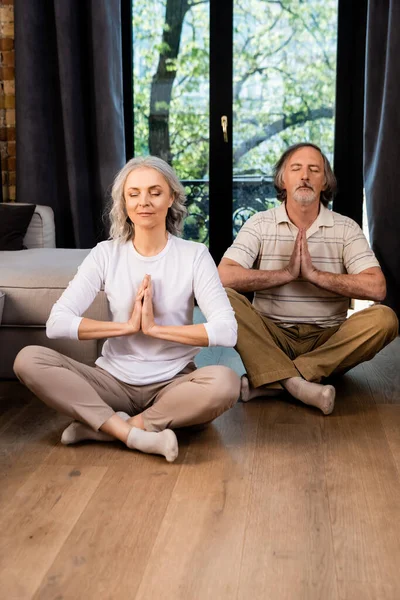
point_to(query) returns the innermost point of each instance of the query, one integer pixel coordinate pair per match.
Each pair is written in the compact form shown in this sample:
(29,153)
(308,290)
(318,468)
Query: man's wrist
(288,276)
(314,276)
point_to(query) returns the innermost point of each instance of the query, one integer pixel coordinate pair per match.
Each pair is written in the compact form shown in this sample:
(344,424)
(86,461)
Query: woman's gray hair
(121,227)
(330,179)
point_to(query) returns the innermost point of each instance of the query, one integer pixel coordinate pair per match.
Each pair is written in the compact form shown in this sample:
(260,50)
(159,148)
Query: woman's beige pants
(92,395)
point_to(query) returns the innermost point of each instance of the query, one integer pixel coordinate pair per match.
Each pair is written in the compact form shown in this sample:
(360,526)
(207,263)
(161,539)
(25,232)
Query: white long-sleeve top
(182,271)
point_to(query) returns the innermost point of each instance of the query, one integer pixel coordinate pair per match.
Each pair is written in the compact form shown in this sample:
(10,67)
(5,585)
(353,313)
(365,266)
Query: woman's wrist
(154,331)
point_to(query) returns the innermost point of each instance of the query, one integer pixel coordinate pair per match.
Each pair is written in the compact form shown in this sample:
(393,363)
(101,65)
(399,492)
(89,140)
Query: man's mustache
(306,185)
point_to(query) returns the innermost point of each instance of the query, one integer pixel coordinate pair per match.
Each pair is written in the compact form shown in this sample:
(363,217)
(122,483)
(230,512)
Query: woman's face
(147,197)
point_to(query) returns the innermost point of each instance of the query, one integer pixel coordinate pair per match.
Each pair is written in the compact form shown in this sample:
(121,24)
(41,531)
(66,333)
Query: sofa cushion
(33,280)
(14,221)
(41,230)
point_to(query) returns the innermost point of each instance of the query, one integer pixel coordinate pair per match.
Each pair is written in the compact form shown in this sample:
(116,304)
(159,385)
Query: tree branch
(239,84)
(324,112)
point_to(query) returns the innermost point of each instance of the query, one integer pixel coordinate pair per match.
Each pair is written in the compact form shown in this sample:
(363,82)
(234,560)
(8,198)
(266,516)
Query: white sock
(123,415)
(313,394)
(247,392)
(78,432)
(163,442)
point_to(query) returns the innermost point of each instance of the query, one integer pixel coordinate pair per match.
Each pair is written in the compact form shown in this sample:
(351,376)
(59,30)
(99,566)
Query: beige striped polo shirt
(336,244)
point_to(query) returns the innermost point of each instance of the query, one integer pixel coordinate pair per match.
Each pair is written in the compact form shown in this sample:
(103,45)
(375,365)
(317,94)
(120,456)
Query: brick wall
(7,99)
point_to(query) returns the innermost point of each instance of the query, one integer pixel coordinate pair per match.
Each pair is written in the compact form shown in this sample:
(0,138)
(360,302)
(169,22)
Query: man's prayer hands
(307,270)
(294,265)
(300,263)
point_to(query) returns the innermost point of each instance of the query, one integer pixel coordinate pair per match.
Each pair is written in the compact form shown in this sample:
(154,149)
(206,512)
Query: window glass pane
(283,89)
(171,96)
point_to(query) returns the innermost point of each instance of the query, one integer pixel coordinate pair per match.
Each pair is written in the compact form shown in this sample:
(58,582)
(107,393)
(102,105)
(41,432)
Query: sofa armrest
(41,232)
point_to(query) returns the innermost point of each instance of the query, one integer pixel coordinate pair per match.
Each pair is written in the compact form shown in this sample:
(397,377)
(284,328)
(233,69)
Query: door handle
(224,125)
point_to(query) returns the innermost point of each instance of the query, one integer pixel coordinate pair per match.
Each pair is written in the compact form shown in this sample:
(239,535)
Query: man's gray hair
(121,227)
(330,179)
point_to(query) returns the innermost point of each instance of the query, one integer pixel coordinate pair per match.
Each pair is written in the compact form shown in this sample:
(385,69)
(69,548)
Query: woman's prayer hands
(147,308)
(142,318)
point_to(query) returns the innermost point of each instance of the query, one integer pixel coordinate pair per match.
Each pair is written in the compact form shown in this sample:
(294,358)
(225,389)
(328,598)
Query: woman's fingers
(146,283)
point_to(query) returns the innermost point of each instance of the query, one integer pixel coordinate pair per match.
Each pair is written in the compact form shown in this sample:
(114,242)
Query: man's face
(304,177)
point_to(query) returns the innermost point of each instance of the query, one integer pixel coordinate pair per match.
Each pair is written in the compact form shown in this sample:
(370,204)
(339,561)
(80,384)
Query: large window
(284,76)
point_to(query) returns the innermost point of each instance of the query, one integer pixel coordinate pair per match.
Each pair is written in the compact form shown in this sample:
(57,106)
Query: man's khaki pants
(271,353)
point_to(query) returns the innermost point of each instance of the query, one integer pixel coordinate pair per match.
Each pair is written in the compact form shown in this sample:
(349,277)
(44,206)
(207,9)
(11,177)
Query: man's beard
(304,197)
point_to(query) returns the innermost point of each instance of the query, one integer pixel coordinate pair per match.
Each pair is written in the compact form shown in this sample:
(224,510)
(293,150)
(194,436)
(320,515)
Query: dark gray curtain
(349,108)
(69,111)
(382,139)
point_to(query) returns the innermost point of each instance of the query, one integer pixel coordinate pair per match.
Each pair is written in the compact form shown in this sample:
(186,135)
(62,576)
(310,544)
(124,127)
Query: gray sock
(313,394)
(247,392)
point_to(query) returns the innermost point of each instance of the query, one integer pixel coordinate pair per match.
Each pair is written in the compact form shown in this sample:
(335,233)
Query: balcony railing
(250,195)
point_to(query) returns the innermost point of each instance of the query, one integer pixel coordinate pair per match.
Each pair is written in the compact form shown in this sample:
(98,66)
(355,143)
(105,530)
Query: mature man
(304,262)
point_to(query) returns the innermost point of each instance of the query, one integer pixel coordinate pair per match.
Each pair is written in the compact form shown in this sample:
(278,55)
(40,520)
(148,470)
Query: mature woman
(145,383)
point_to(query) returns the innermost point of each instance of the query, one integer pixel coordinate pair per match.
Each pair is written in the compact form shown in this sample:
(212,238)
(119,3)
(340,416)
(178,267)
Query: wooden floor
(273,501)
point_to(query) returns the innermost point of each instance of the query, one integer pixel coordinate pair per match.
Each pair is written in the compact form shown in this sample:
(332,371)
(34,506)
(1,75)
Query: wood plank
(25,441)
(199,546)
(107,552)
(38,521)
(383,374)
(390,418)
(288,550)
(363,488)
(14,397)
(356,590)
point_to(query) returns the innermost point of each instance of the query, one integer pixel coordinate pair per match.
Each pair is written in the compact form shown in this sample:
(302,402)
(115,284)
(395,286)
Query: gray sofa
(31,281)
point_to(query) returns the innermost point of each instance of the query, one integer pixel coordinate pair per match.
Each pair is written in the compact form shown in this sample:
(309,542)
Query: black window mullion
(221,73)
